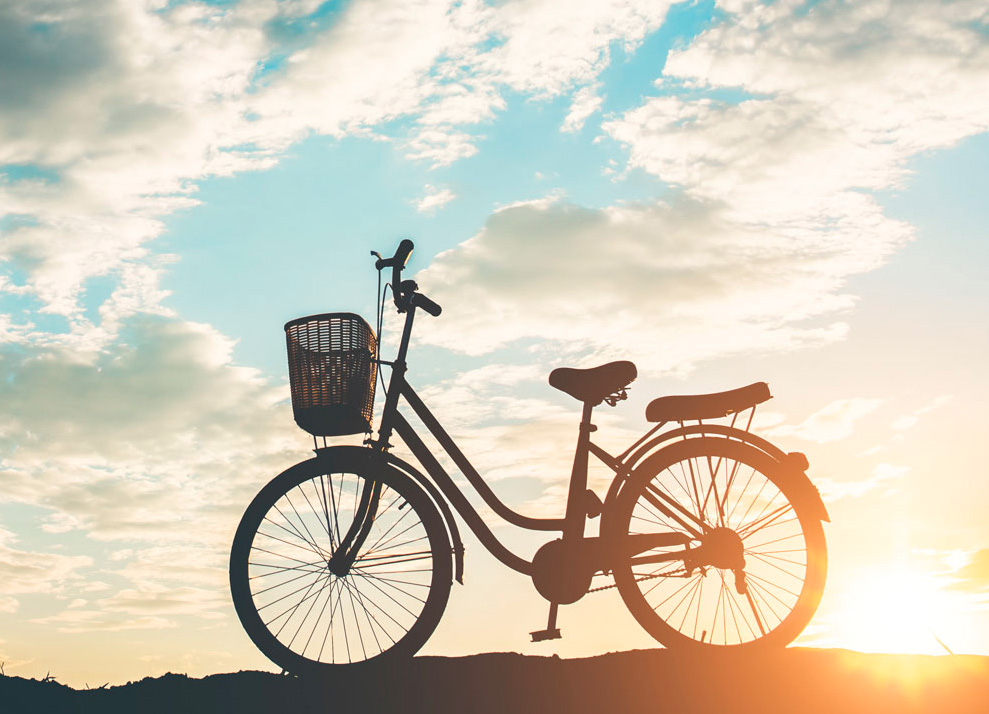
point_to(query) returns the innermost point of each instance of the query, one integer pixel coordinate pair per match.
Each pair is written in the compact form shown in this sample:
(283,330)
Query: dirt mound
(795,680)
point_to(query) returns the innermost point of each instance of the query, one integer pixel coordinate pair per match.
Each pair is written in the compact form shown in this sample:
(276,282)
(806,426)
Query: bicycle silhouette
(712,535)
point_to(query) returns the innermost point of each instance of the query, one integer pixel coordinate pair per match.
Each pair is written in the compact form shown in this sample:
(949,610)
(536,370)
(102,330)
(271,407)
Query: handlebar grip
(402,253)
(421,301)
(399,260)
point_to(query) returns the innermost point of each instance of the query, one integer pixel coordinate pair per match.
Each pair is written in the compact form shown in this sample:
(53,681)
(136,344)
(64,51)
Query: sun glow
(897,610)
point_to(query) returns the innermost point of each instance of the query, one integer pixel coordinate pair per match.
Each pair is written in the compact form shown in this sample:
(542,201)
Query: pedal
(543,635)
(552,632)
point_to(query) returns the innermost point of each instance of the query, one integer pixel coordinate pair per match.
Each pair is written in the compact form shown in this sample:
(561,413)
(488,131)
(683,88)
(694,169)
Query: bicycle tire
(388,604)
(782,538)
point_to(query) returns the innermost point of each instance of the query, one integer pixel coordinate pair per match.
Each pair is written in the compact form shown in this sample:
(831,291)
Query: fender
(794,463)
(427,486)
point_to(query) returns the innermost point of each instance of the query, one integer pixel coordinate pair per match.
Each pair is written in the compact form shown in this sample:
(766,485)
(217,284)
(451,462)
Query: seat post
(573,527)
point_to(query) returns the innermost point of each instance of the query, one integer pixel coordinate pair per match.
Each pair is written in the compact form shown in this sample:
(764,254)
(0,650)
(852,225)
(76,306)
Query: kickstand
(551,632)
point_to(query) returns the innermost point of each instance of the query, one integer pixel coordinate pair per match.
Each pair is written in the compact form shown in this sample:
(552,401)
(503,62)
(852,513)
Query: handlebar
(405,292)
(420,300)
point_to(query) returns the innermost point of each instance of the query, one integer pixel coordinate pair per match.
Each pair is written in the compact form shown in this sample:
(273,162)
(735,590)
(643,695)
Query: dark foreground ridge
(795,680)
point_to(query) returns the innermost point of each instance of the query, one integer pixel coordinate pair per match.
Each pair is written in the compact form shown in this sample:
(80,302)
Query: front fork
(344,555)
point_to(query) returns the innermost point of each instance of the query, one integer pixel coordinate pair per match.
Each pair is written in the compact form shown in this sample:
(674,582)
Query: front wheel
(749,569)
(307,619)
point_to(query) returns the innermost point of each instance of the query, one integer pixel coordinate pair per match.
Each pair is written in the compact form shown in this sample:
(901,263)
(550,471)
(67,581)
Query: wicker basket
(332,369)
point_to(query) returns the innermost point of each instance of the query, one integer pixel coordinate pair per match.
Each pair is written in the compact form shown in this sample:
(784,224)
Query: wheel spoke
(302,520)
(764,521)
(295,530)
(277,569)
(755,610)
(307,547)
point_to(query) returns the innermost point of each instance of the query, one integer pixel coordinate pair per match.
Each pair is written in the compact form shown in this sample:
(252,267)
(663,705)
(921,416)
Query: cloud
(770,160)
(886,73)
(158,442)
(843,95)
(164,381)
(586,101)
(881,477)
(120,106)
(772,211)
(665,284)
(833,422)
(908,421)
(434,199)
(973,576)
(78,621)
(23,572)
(546,50)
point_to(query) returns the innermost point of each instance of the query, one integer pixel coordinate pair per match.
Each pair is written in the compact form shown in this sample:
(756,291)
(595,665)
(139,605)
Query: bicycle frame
(597,552)
(581,503)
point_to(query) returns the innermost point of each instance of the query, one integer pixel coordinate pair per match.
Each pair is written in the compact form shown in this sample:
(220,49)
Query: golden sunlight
(897,609)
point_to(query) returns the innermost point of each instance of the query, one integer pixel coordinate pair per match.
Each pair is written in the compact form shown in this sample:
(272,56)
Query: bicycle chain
(639,580)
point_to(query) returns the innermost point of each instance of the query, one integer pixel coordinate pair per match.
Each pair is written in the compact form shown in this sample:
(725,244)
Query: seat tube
(573,527)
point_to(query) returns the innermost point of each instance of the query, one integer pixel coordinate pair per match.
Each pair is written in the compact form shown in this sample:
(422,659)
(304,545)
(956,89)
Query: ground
(807,681)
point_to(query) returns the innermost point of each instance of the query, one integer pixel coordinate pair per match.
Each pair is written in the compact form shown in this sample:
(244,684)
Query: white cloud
(585,102)
(547,49)
(833,422)
(440,146)
(434,199)
(845,94)
(78,621)
(768,159)
(665,285)
(148,607)
(898,72)
(882,476)
(25,572)
(908,421)
(775,212)
(157,442)
(121,105)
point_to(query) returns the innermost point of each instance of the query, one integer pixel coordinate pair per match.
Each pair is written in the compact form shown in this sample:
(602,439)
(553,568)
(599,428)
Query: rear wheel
(305,618)
(753,570)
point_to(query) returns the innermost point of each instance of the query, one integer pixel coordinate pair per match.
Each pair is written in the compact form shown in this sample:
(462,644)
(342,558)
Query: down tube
(457,499)
(462,463)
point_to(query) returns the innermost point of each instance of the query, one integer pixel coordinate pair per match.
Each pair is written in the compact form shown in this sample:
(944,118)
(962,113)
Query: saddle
(592,386)
(690,407)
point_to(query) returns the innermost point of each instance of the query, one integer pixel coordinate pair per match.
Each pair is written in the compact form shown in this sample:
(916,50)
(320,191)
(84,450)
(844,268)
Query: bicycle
(712,535)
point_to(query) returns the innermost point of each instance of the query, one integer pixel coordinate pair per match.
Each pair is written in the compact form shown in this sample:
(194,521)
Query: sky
(722,192)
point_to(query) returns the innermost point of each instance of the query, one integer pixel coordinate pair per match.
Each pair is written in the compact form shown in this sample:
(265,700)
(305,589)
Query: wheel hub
(723,549)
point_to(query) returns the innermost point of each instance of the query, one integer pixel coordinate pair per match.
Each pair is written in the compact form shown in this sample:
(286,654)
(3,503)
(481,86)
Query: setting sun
(896,609)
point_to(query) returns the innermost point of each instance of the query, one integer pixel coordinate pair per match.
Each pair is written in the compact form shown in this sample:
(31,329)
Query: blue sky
(724,192)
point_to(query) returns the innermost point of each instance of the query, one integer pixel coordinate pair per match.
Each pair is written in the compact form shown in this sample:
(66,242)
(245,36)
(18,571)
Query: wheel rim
(308,615)
(733,492)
